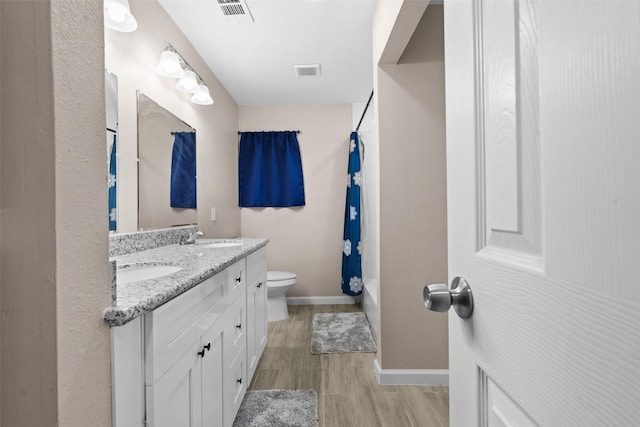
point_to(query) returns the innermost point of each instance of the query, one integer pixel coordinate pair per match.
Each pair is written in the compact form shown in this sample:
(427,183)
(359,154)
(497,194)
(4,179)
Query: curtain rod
(365,111)
(240,133)
(111,130)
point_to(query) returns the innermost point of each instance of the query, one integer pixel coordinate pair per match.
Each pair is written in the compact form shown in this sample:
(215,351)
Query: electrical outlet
(213,214)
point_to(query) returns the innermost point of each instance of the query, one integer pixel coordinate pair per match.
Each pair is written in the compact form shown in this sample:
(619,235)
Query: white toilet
(278,283)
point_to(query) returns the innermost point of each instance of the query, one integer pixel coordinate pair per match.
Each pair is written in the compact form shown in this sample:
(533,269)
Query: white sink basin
(220,244)
(135,273)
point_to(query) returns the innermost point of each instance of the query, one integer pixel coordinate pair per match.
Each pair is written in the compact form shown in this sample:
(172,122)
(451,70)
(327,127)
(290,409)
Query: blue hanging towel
(112,187)
(183,171)
(352,249)
(270,170)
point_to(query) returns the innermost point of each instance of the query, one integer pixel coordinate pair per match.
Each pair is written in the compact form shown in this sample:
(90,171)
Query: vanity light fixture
(173,65)
(118,16)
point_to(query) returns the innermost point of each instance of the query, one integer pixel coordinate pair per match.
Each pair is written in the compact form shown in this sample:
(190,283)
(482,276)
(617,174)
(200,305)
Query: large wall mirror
(166,168)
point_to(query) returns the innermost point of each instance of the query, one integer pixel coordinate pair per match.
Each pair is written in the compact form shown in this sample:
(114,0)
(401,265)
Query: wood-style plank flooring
(348,392)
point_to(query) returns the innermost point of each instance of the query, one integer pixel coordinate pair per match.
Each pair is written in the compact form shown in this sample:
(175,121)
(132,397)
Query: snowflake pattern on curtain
(352,247)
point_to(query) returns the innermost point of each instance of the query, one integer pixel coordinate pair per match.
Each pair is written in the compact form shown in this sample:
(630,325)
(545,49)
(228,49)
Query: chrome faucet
(192,238)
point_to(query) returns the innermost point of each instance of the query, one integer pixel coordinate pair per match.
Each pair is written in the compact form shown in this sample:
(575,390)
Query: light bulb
(201,96)
(187,83)
(117,13)
(117,16)
(169,65)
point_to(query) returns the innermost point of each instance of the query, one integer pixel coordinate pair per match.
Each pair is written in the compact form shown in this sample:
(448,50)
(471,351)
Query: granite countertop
(198,263)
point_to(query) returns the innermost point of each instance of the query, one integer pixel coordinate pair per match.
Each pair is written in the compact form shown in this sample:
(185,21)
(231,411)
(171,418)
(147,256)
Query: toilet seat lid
(277,276)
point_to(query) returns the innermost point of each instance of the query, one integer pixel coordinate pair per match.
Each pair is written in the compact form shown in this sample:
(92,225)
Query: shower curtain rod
(240,133)
(365,111)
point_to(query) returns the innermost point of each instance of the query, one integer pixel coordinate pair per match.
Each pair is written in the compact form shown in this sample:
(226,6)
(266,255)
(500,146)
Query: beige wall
(413,239)
(133,58)
(307,240)
(54,280)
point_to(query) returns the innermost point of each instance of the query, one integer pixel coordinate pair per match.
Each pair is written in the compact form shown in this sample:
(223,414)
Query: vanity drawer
(176,326)
(236,279)
(235,387)
(235,336)
(256,265)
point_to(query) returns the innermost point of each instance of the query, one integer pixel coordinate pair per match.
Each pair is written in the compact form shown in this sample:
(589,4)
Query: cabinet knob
(239,380)
(239,278)
(208,346)
(239,326)
(201,353)
(259,285)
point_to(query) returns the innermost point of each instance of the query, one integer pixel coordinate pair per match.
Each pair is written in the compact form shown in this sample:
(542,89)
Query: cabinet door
(257,322)
(175,400)
(261,315)
(256,308)
(252,301)
(212,377)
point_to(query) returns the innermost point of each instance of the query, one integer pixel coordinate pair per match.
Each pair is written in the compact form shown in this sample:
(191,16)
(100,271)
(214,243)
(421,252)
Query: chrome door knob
(439,297)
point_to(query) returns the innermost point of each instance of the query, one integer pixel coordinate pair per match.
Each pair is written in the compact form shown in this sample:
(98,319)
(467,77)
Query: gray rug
(341,333)
(278,408)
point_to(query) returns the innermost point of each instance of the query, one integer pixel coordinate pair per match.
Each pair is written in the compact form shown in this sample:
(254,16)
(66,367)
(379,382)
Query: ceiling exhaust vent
(307,70)
(235,10)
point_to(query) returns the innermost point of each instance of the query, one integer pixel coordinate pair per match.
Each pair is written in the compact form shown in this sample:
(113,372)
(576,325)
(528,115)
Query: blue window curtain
(113,212)
(270,170)
(183,171)
(352,247)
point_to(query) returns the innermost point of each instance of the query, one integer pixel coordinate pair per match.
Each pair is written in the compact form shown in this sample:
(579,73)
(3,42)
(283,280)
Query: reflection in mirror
(166,169)
(111,97)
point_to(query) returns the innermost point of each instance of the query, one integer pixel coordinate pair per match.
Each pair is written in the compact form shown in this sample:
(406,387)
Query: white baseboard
(410,376)
(345,299)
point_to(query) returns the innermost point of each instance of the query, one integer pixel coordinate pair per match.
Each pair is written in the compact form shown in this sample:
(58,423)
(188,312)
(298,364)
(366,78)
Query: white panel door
(176,399)
(261,316)
(257,322)
(543,154)
(252,351)
(212,377)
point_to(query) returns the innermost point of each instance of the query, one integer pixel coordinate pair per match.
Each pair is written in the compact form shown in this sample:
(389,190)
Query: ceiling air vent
(307,70)
(235,10)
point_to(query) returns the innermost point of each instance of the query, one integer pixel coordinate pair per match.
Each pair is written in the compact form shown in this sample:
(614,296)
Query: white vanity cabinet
(187,362)
(183,358)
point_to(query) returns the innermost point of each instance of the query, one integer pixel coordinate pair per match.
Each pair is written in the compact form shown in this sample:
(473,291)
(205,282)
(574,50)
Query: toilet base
(277,308)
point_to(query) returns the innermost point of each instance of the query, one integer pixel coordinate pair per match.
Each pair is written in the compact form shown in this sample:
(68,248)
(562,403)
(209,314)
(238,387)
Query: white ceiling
(254,60)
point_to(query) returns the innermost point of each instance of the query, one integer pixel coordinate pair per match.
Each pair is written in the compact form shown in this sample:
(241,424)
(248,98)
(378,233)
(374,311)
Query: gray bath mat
(278,408)
(341,333)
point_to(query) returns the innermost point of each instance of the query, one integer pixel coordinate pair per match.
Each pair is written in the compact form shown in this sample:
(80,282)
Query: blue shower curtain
(270,170)
(352,249)
(112,187)
(183,171)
